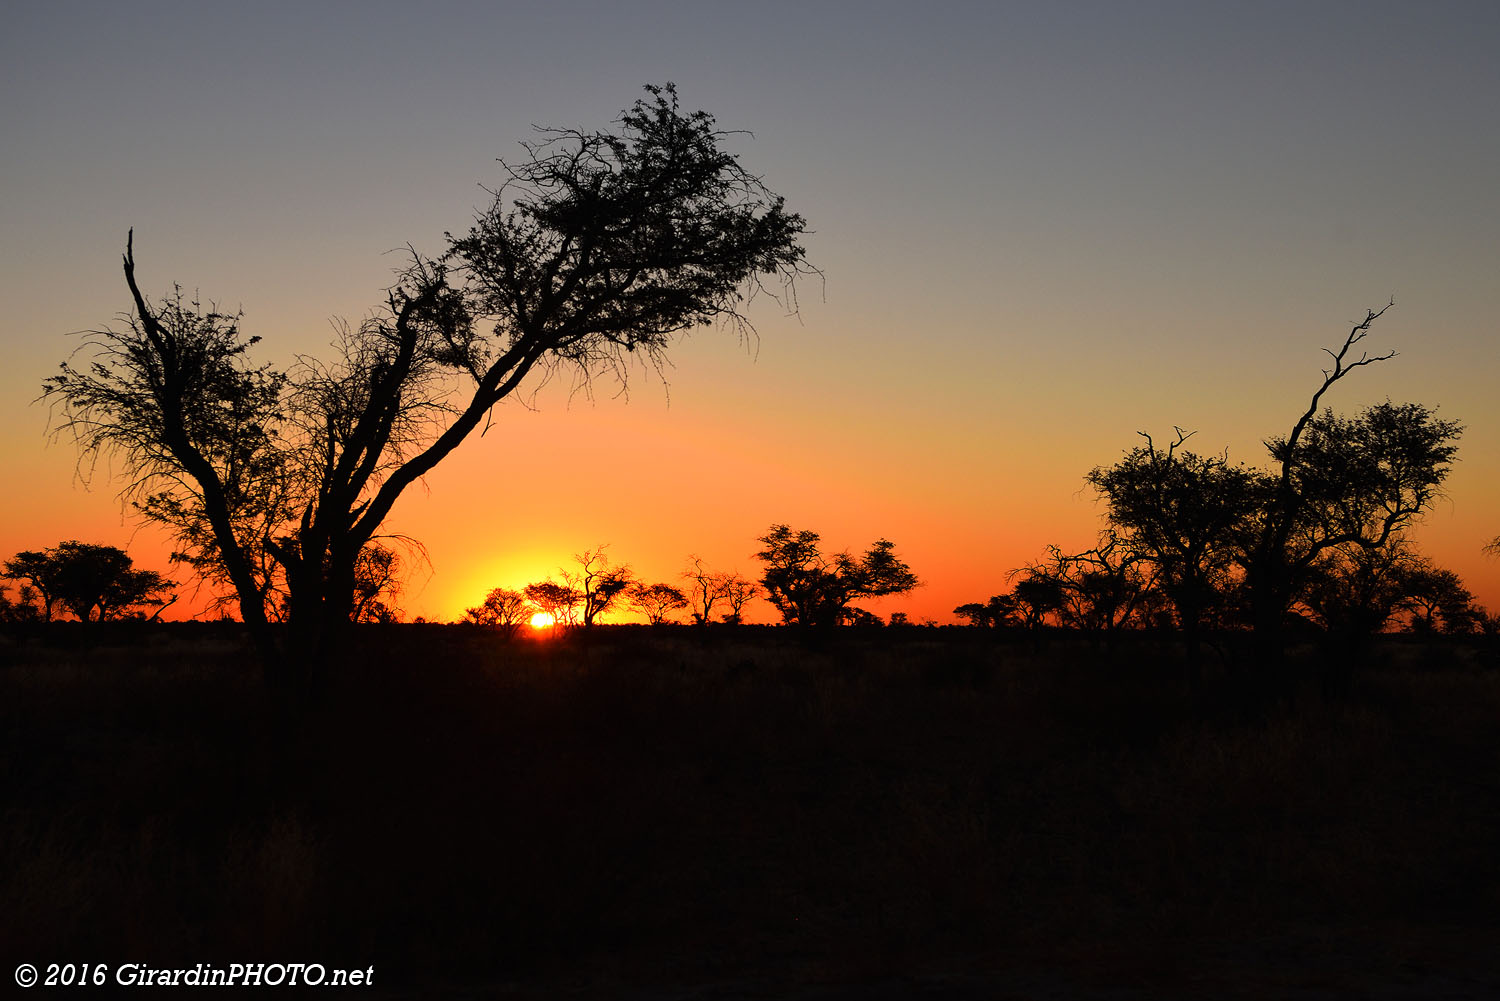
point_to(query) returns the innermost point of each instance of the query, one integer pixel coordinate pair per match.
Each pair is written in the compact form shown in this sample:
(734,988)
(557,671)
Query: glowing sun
(541,620)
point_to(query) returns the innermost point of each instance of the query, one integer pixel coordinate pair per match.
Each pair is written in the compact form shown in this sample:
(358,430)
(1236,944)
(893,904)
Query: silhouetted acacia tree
(809,588)
(976,613)
(39,570)
(92,582)
(1103,589)
(1354,591)
(656,601)
(1338,483)
(1034,598)
(599,246)
(557,600)
(1456,610)
(1343,482)
(377,584)
(704,591)
(1000,611)
(504,610)
(1440,603)
(599,584)
(26,606)
(737,592)
(1183,514)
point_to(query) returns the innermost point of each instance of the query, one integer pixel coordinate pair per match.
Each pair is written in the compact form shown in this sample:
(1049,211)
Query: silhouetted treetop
(656,601)
(557,600)
(502,609)
(92,582)
(1183,514)
(810,588)
(602,241)
(1319,530)
(1356,590)
(1363,477)
(598,584)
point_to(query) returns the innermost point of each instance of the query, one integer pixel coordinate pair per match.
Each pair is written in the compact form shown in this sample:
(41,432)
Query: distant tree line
(805,585)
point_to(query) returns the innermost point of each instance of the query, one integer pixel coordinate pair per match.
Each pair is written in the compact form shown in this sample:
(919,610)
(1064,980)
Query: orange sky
(711,469)
(1043,230)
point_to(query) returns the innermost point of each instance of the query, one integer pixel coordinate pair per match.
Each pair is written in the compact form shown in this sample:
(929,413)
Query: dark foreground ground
(742,814)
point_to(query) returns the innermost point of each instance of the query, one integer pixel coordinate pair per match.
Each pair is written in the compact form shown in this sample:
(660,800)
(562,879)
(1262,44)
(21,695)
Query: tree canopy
(656,601)
(92,582)
(503,610)
(599,585)
(811,588)
(1320,530)
(557,600)
(1182,514)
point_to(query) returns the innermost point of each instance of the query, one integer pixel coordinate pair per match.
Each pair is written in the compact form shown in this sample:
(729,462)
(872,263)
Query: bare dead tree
(704,590)
(737,590)
(598,583)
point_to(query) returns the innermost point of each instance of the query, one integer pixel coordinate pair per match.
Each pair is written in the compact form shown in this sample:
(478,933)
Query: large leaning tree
(598,247)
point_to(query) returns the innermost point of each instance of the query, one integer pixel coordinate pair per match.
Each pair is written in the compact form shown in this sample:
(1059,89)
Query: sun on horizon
(543,620)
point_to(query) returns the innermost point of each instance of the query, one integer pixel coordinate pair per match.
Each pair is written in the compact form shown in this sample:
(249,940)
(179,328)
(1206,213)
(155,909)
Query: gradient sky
(1044,227)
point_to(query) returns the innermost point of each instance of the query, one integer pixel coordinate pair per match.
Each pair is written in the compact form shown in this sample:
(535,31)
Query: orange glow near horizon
(680,483)
(543,620)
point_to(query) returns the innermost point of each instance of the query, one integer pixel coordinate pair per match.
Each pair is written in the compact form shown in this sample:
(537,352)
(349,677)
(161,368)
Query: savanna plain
(638,812)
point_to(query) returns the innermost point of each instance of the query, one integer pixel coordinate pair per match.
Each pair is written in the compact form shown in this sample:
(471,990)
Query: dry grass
(638,801)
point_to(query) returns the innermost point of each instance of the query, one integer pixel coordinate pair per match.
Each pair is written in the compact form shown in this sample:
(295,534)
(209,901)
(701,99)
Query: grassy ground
(635,808)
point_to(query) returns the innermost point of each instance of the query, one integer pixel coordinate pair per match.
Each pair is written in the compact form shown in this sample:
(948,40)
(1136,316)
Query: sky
(1043,228)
